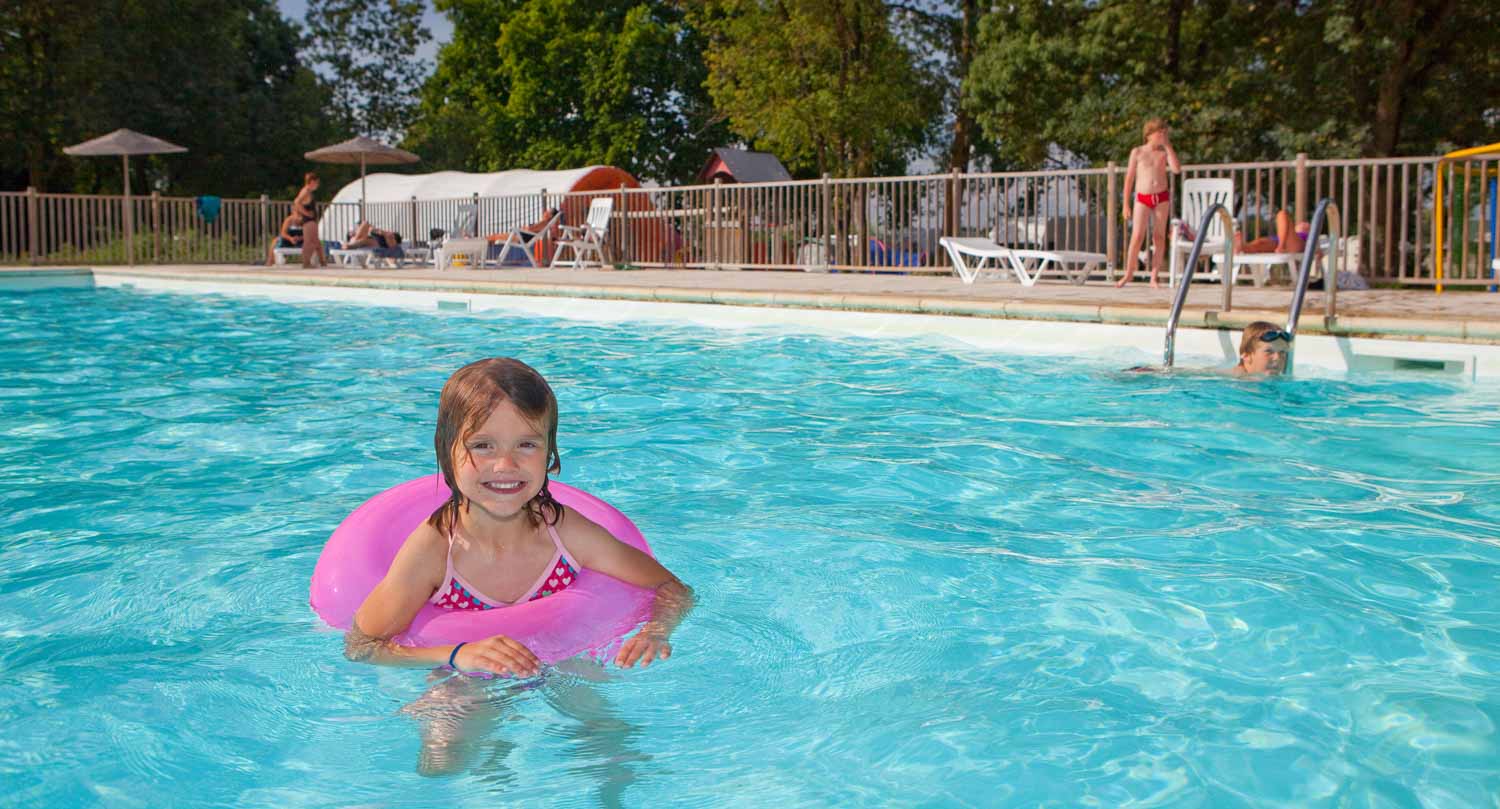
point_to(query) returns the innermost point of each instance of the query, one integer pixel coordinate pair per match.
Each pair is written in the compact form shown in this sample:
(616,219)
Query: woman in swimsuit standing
(307,210)
(1147,179)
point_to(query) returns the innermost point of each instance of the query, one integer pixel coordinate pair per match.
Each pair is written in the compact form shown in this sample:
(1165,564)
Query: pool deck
(1468,316)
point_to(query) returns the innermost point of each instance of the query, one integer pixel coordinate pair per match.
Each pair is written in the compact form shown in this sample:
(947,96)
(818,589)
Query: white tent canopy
(386,187)
(457,187)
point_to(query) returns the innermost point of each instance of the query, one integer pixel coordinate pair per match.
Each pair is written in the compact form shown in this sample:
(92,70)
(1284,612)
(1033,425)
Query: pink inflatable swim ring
(590,615)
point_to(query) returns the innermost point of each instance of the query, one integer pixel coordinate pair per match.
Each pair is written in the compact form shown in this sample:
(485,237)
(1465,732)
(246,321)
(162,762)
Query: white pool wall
(1122,343)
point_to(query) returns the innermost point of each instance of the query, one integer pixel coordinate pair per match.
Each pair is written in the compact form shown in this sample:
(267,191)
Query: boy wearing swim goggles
(1263,349)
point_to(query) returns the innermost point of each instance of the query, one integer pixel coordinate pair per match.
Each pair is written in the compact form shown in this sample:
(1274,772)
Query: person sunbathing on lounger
(528,232)
(367,235)
(1286,240)
(548,227)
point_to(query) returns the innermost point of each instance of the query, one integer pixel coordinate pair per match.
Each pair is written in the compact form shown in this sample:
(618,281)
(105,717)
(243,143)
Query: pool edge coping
(1382,327)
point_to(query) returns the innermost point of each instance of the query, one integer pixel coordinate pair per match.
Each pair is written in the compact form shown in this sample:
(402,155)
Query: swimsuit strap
(557,575)
(456,588)
(557,542)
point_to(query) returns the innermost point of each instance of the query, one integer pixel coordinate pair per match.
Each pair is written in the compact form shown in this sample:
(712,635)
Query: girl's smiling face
(502,465)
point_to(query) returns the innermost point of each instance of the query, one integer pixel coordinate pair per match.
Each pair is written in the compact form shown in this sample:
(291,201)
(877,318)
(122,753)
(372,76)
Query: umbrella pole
(129,236)
(362,188)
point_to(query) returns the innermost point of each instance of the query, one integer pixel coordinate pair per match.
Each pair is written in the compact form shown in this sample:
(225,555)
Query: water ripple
(926,576)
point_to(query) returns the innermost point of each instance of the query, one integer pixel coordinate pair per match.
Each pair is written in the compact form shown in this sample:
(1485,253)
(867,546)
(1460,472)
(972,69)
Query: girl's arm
(1172,164)
(415,575)
(596,549)
(1130,182)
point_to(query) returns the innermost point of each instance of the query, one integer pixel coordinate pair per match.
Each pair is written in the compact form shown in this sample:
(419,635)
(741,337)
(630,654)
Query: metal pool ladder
(1321,216)
(1169,351)
(1304,272)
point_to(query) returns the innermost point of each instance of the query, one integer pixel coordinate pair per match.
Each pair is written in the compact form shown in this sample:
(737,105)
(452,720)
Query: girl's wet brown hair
(468,398)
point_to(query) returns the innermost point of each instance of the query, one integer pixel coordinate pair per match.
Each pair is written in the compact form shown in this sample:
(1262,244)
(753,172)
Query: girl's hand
(498,655)
(648,644)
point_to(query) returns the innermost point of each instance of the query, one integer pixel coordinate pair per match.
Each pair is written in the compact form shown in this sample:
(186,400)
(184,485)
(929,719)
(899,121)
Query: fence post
(628,255)
(156,227)
(1111,219)
(416,234)
(33,230)
(827,230)
(1301,192)
(541,255)
(953,204)
(265,223)
(711,222)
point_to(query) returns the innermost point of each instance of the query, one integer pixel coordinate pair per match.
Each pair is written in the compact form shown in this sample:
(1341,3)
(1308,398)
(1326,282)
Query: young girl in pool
(500,537)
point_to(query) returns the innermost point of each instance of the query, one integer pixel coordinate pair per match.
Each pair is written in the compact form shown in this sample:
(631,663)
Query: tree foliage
(823,84)
(848,87)
(221,78)
(368,50)
(547,84)
(941,35)
(1237,80)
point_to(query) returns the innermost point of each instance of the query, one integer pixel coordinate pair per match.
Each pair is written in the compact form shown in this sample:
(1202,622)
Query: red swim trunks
(1153,200)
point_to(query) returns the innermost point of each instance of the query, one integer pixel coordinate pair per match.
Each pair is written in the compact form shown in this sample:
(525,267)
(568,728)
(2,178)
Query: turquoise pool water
(925,578)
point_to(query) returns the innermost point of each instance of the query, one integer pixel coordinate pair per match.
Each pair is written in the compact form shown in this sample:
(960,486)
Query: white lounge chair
(1260,264)
(588,238)
(1198,195)
(473,252)
(525,243)
(358,257)
(1028,265)
(460,240)
(466,224)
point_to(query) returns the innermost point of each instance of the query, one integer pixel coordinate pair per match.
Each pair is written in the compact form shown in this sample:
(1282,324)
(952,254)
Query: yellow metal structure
(1492,150)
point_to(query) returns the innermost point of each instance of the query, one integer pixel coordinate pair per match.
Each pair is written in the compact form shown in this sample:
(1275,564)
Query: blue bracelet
(453,654)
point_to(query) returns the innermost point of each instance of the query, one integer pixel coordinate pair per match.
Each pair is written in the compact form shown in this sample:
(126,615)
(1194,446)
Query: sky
(442,30)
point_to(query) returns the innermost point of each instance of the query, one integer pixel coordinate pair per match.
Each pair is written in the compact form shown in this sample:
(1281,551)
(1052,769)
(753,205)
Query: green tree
(943,34)
(1085,75)
(548,84)
(48,52)
(823,84)
(368,51)
(221,77)
(1237,80)
(1419,76)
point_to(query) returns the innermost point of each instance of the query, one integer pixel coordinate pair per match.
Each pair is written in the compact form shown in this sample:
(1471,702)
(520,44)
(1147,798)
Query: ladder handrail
(1304,272)
(1309,254)
(1227,273)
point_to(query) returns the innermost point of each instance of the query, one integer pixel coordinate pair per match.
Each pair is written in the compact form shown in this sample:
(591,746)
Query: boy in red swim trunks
(1148,196)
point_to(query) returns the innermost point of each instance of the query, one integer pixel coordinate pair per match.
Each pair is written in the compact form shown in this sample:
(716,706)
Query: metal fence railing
(880,224)
(86,229)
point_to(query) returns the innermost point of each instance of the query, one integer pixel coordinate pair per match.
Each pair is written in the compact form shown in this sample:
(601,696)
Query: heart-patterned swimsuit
(458,594)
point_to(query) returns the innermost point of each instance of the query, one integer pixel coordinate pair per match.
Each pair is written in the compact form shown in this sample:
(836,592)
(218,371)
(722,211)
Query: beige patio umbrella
(124,142)
(363,151)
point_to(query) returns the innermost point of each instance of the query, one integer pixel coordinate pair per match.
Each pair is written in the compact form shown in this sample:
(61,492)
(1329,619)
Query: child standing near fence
(1148,196)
